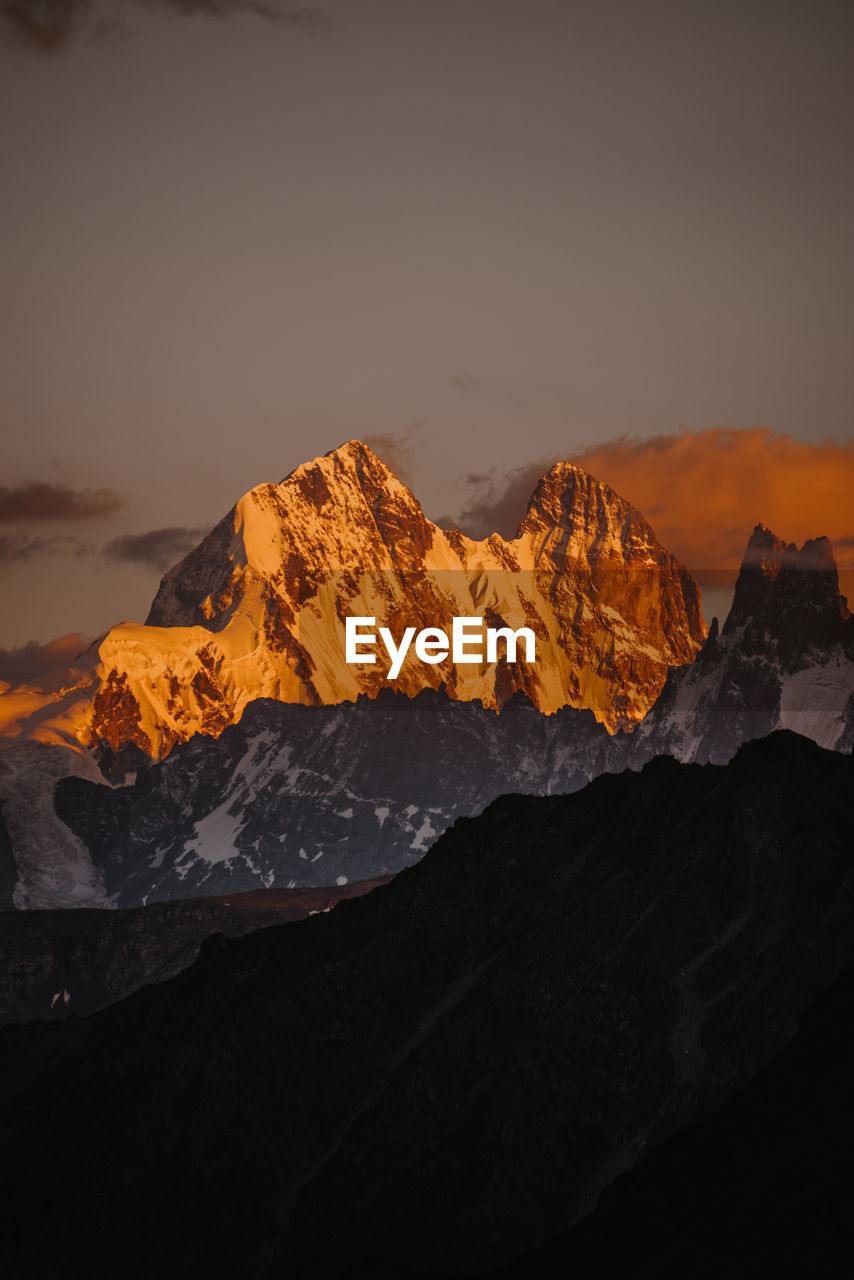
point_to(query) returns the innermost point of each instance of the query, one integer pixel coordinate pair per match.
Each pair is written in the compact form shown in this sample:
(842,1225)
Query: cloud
(497,500)
(396,450)
(17,546)
(37,500)
(42,25)
(274,10)
(45,26)
(20,546)
(466,383)
(158,549)
(704,491)
(33,659)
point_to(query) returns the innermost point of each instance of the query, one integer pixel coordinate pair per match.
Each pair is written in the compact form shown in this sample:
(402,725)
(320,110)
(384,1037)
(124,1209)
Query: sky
(481,235)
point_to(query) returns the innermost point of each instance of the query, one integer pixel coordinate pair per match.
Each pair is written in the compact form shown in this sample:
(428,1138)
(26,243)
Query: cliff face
(258,608)
(784,659)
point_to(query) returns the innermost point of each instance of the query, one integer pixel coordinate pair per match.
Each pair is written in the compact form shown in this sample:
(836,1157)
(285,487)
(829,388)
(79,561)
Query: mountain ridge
(443,1074)
(256,610)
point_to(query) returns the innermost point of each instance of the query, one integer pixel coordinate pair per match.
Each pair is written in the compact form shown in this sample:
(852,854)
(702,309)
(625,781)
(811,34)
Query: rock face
(784,659)
(297,796)
(57,963)
(445,1073)
(258,608)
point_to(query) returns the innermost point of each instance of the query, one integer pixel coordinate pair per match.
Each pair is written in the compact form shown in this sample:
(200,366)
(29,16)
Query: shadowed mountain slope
(444,1074)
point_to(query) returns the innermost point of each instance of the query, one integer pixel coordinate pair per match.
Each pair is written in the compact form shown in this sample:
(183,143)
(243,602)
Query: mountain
(8,869)
(257,610)
(297,795)
(54,964)
(443,1074)
(784,659)
(301,795)
(762,1187)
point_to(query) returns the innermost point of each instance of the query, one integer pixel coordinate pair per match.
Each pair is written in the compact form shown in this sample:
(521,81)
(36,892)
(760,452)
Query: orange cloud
(704,491)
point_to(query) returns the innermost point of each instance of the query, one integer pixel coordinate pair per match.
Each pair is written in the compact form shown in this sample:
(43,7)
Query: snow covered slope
(784,660)
(257,610)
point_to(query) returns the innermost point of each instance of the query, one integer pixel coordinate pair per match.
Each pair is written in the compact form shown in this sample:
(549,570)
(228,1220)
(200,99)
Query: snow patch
(214,836)
(423,835)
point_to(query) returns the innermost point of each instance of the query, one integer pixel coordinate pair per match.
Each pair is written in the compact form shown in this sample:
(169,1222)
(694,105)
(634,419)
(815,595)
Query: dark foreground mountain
(784,659)
(57,963)
(296,795)
(444,1074)
(762,1188)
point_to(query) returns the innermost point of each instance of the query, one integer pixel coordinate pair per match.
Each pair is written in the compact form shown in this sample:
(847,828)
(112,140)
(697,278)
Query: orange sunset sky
(480,236)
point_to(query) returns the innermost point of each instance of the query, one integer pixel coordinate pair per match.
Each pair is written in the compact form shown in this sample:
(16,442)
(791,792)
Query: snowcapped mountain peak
(351,467)
(342,511)
(258,608)
(596,521)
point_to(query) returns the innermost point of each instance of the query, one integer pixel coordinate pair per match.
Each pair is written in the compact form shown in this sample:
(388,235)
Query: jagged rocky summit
(257,610)
(784,659)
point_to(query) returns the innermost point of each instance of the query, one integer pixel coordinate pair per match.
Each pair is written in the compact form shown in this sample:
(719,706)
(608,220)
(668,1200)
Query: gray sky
(231,243)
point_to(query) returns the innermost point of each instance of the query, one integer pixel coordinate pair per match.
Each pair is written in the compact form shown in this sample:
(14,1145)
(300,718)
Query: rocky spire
(788,597)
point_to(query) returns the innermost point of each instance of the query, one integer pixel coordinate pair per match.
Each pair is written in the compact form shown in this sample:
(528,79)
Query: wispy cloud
(37,500)
(497,500)
(42,25)
(19,546)
(45,26)
(274,10)
(467,383)
(157,549)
